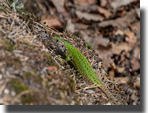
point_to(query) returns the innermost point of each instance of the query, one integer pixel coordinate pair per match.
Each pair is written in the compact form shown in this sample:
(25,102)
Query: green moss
(8,45)
(17,62)
(33,74)
(18,86)
(77,101)
(29,74)
(48,86)
(87,44)
(50,60)
(111,99)
(37,75)
(20,10)
(27,99)
(59,94)
(72,84)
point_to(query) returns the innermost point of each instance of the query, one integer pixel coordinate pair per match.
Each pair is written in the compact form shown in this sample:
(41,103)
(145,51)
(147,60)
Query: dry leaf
(138,12)
(85,2)
(85,36)
(119,32)
(89,17)
(105,53)
(113,66)
(131,42)
(131,39)
(103,3)
(116,69)
(118,3)
(105,12)
(137,84)
(53,22)
(133,96)
(122,80)
(97,9)
(120,22)
(120,70)
(59,4)
(117,48)
(111,74)
(135,64)
(130,34)
(137,53)
(99,40)
(80,26)
(135,26)
(70,26)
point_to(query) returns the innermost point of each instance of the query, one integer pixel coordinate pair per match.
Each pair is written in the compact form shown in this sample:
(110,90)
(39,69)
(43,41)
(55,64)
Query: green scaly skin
(82,65)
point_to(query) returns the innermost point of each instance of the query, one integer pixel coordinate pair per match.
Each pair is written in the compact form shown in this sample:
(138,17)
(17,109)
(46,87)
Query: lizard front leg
(60,59)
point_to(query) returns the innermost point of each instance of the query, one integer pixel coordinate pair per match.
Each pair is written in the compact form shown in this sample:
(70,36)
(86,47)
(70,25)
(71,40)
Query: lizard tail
(109,94)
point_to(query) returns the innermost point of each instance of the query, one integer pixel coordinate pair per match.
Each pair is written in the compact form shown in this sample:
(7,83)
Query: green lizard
(82,65)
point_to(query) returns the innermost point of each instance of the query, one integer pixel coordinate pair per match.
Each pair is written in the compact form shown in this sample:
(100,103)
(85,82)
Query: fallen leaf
(105,12)
(85,36)
(53,22)
(85,2)
(119,32)
(118,3)
(70,26)
(120,22)
(131,42)
(104,53)
(59,4)
(103,3)
(117,69)
(135,26)
(89,17)
(117,48)
(111,74)
(138,12)
(120,70)
(137,84)
(135,64)
(113,66)
(99,40)
(133,96)
(131,39)
(136,53)
(124,62)
(97,9)
(122,80)
(80,26)
(130,34)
